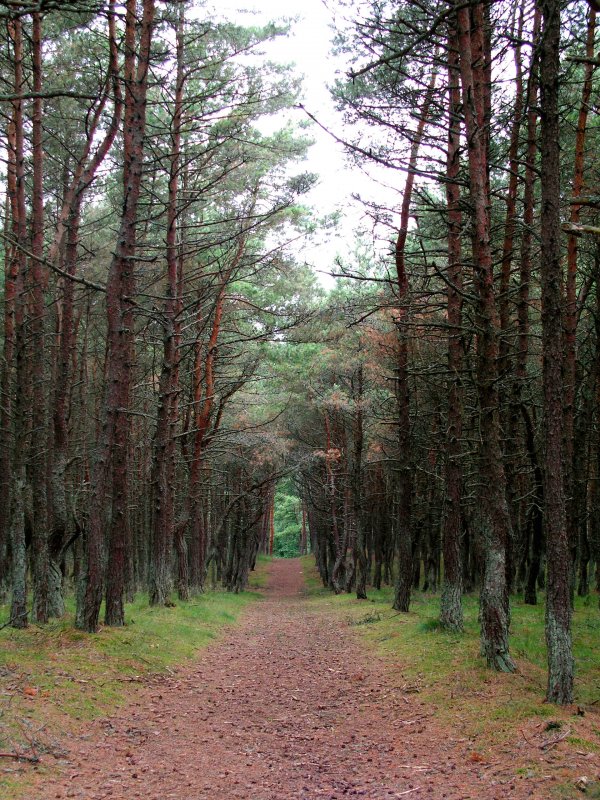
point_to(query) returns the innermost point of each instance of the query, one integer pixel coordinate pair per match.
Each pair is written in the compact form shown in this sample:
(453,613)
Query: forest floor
(293,703)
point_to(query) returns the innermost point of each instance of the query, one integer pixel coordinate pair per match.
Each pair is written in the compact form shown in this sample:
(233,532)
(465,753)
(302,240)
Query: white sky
(308,46)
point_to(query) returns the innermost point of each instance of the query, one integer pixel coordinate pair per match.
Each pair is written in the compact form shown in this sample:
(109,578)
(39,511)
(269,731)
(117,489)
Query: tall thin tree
(494,516)
(558,595)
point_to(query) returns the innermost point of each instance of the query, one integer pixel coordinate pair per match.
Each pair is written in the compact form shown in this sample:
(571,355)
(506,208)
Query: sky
(308,46)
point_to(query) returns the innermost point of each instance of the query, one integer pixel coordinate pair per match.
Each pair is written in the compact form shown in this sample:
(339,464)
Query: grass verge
(54,679)
(490,709)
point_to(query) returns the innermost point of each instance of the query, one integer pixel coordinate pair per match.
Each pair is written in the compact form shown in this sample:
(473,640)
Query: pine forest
(357,443)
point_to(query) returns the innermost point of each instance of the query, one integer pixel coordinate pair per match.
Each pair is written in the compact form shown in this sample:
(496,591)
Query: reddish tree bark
(206,422)
(163,467)
(112,458)
(205,415)
(494,514)
(68,227)
(594,483)
(570,321)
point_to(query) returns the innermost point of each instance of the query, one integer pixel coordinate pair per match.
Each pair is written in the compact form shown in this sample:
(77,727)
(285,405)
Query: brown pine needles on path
(288,705)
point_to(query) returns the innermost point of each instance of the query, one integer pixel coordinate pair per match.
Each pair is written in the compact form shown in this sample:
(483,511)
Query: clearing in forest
(291,704)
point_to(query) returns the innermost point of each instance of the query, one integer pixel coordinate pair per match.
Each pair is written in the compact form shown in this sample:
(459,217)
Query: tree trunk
(571,454)
(113,447)
(16,188)
(183,570)
(451,614)
(494,516)
(62,525)
(163,467)
(360,554)
(509,414)
(405,468)
(558,594)
(121,288)
(336,575)
(11,277)
(535,515)
(41,564)
(59,504)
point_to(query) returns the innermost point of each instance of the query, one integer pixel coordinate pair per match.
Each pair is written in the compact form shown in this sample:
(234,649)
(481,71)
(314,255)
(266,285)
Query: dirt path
(287,706)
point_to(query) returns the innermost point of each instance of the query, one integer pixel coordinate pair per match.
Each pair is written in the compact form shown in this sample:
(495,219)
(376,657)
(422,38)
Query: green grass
(447,670)
(569,792)
(258,578)
(54,678)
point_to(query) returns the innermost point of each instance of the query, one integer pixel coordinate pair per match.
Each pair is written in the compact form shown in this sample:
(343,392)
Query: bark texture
(451,615)
(558,586)
(111,468)
(494,517)
(163,468)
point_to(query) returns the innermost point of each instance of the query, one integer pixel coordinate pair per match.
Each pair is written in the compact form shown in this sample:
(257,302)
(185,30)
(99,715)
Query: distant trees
(287,521)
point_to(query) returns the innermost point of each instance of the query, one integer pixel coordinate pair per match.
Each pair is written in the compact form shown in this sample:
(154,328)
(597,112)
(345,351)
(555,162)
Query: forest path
(287,705)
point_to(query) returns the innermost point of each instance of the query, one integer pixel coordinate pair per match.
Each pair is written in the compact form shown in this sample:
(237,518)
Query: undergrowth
(54,679)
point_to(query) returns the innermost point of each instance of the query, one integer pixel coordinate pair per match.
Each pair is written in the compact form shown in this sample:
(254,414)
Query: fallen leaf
(476,757)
